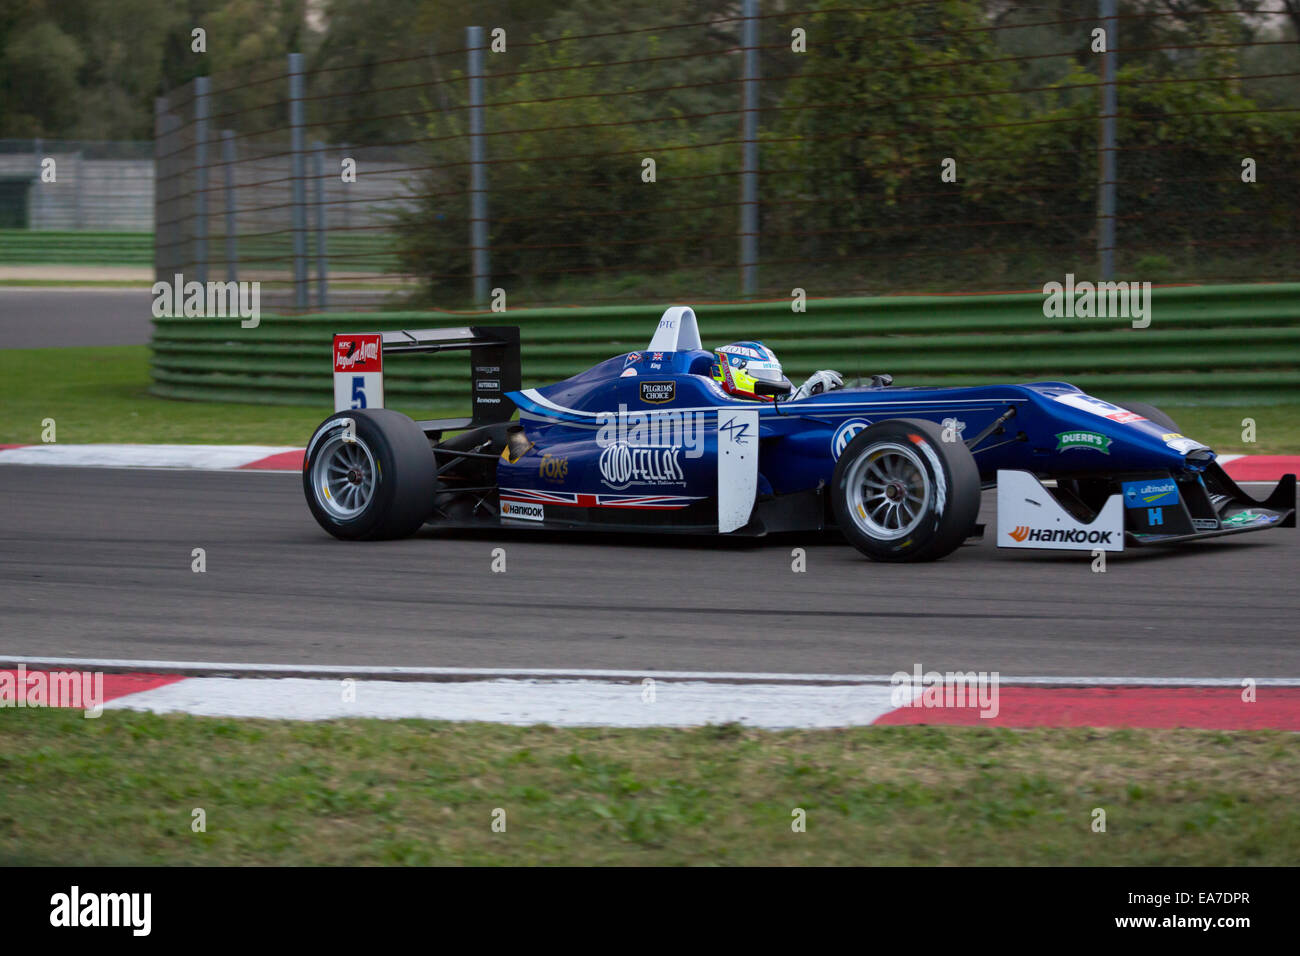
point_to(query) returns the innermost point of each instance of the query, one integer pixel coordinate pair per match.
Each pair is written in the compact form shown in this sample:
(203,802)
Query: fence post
(202,86)
(297,190)
(478,211)
(76,194)
(228,163)
(166,226)
(749,152)
(345,150)
(1106,181)
(322,261)
(160,234)
(35,192)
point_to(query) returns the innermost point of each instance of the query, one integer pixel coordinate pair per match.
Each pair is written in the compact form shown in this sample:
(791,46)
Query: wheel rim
(889,491)
(343,477)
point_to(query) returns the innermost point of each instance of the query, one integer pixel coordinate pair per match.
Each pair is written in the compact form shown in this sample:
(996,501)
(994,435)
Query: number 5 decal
(358,371)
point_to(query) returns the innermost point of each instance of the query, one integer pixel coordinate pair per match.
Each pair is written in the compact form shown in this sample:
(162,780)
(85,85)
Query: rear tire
(902,493)
(379,485)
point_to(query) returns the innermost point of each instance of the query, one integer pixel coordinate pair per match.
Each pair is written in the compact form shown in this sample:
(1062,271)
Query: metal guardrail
(1231,343)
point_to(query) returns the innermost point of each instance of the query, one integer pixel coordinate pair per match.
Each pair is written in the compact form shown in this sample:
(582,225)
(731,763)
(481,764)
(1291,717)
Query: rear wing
(494,369)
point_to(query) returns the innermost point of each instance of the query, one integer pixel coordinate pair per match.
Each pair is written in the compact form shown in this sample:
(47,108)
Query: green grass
(98,395)
(1277,427)
(122,789)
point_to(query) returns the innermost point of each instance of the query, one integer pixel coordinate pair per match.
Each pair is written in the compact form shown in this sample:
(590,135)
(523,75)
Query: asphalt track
(97,563)
(51,317)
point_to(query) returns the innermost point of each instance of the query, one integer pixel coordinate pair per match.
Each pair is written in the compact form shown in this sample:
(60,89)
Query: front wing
(1148,510)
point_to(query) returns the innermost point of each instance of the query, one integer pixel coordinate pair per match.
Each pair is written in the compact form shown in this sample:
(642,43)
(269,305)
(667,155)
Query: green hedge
(52,247)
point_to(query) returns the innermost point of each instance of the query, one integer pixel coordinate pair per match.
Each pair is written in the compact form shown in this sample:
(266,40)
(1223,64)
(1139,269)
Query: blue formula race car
(682,439)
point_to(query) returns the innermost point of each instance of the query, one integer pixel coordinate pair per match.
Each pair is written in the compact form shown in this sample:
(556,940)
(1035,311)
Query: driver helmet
(750,370)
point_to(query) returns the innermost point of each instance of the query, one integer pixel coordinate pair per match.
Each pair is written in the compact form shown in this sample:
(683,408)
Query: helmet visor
(769,372)
(769,379)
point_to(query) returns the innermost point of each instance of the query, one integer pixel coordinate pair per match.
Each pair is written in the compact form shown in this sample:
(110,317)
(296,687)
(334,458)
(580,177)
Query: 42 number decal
(738,432)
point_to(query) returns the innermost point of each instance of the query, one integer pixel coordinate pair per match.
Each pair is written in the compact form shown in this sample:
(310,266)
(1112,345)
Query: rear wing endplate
(494,369)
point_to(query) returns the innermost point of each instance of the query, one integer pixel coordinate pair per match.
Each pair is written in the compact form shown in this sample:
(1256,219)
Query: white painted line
(581,673)
(558,703)
(201,457)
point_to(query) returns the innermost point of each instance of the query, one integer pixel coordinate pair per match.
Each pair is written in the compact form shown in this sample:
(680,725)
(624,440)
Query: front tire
(372,481)
(902,493)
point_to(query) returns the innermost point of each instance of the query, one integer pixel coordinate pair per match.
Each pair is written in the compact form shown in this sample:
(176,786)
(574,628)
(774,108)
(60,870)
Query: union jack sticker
(578,499)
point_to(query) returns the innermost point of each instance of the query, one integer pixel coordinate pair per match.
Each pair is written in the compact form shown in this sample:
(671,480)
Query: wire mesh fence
(906,147)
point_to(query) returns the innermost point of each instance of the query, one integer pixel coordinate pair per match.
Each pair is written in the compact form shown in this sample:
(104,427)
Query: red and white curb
(1259,467)
(594,698)
(193,457)
(289,458)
